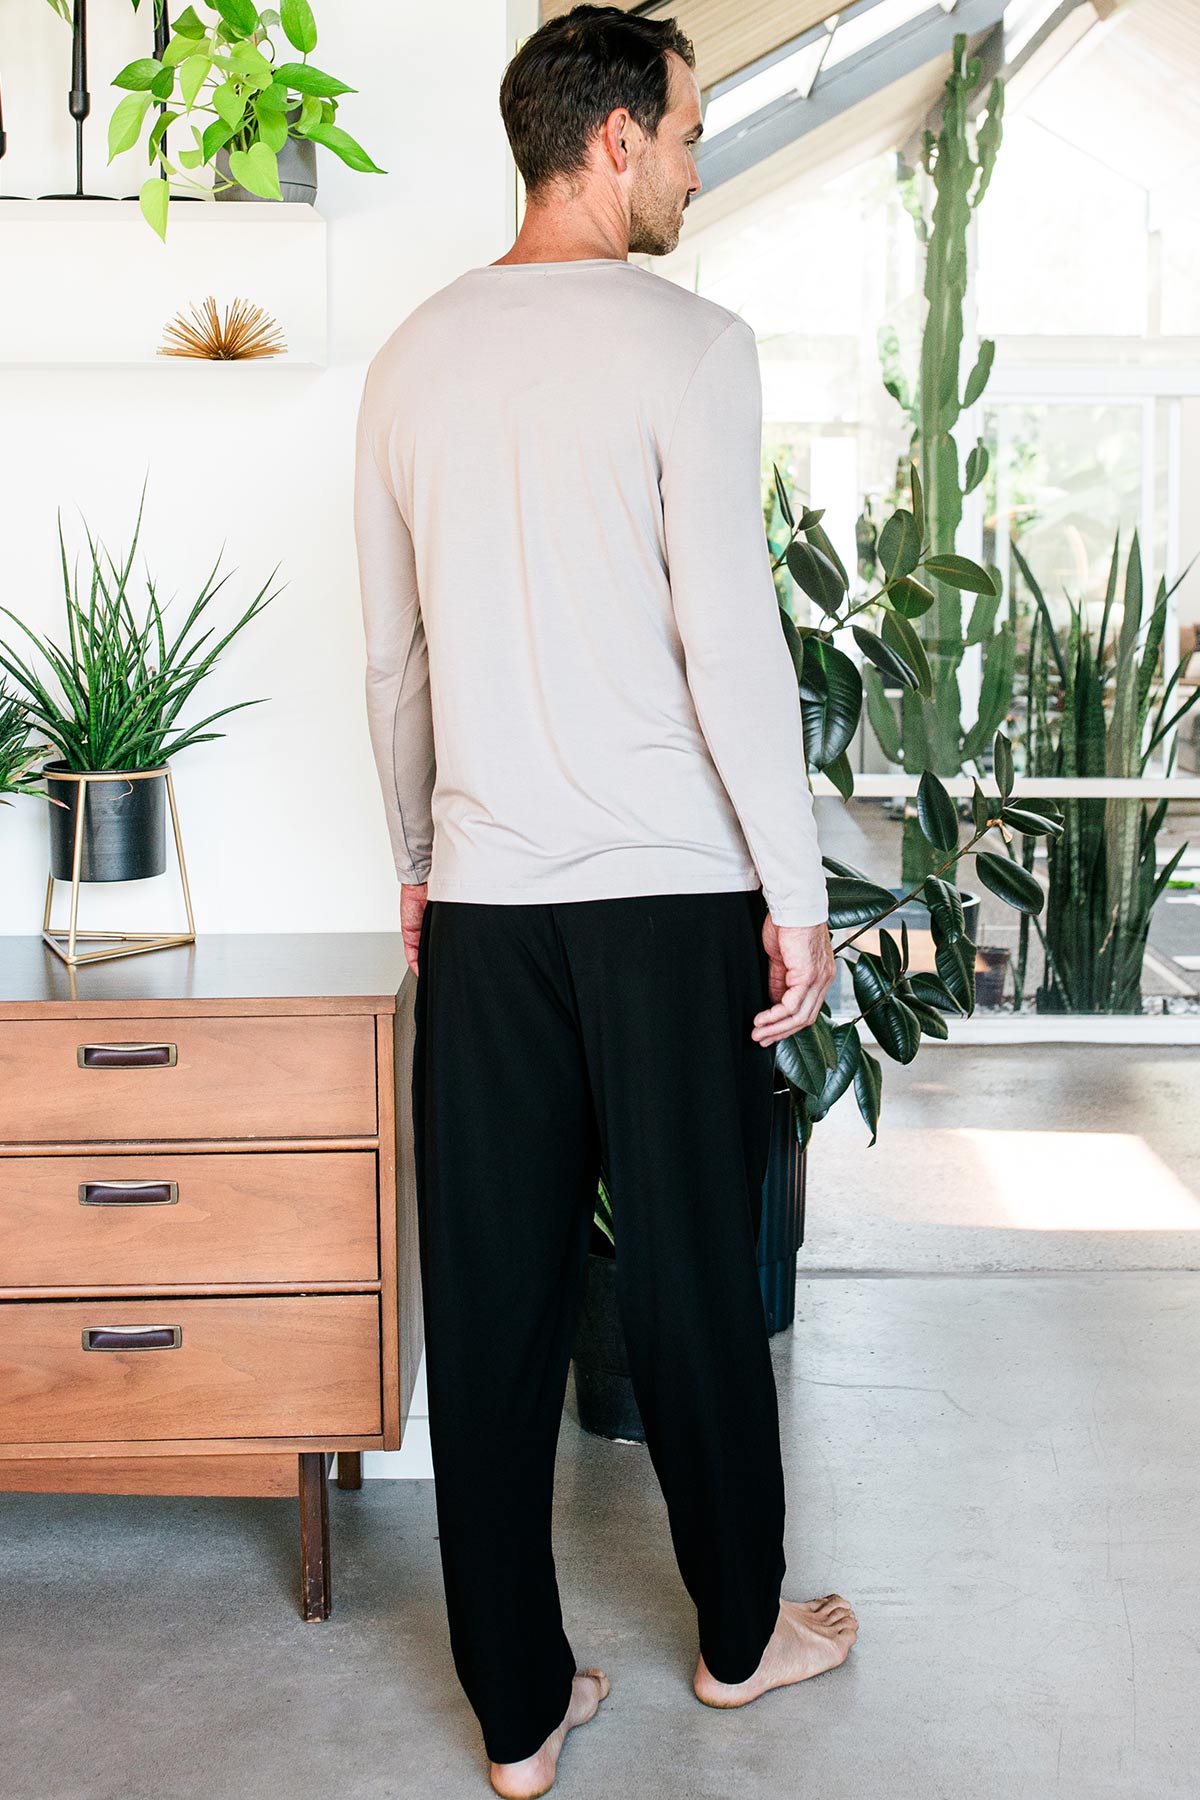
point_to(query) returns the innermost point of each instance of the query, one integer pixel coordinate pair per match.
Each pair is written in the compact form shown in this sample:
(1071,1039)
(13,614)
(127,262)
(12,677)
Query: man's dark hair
(565,80)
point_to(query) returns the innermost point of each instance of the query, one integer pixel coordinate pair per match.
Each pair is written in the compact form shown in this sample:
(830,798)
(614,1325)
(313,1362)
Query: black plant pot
(781,1231)
(124,824)
(603,1385)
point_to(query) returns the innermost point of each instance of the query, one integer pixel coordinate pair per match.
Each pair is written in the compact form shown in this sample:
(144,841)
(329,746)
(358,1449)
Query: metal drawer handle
(126,1056)
(129,1193)
(132,1337)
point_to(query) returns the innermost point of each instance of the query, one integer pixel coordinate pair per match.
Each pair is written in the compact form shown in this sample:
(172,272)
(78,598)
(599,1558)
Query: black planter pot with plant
(110,710)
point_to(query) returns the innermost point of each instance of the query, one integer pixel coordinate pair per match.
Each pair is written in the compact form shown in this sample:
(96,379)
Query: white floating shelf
(88,283)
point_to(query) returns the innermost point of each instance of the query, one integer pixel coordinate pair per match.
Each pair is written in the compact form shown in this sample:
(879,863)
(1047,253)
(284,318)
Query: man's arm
(399,713)
(738,666)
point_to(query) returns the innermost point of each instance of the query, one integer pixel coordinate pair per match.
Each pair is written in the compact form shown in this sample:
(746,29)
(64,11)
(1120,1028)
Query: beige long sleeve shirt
(577,685)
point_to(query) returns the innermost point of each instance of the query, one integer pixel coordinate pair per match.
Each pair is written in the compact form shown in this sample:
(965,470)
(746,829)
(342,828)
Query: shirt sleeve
(738,666)
(399,711)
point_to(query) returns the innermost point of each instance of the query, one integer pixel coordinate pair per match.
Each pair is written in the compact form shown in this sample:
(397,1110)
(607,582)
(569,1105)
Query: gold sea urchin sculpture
(245,331)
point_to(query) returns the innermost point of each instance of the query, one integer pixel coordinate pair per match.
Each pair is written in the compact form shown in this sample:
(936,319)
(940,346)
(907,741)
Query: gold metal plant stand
(128,943)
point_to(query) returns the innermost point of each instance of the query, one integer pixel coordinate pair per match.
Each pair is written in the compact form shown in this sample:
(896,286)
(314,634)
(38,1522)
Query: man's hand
(412,909)
(802,971)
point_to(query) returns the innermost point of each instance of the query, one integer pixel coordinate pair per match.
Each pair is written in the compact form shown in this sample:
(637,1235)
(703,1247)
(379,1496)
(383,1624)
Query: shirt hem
(556,893)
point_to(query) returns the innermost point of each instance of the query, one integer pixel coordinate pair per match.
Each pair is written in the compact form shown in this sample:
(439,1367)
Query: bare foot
(810,1636)
(525,1780)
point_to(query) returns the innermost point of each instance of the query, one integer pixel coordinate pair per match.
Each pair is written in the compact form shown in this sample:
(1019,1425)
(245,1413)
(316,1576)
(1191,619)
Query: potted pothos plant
(819,1066)
(110,706)
(255,118)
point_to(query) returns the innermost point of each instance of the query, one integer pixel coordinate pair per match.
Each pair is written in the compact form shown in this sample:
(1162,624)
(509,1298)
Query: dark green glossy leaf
(901,637)
(841,775)
(899,545)
(1009,882)
(981,810)
(911,597)
(890,1022)
(853,901)
(831,690)
(781,494)
(884,658)
(937,814)
(956,966)
(889,955)
(945,910)
(842,868)
(1029,823)
(931,992)
(815,575)
(959,572)
(847,1052)
(806,1057)
(884,722)
(868,1090)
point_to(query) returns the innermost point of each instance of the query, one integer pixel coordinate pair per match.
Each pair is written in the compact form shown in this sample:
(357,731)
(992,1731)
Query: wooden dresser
(209,1270)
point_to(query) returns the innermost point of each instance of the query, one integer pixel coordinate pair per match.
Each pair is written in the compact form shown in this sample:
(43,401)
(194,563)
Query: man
(588,733)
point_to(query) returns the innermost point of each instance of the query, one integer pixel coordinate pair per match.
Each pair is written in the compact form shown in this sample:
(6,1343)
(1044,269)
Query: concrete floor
(998,1468)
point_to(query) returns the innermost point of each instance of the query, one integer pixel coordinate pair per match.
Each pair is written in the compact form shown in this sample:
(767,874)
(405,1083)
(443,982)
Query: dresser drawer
(303,1075)
(286,1366)
(153,1219)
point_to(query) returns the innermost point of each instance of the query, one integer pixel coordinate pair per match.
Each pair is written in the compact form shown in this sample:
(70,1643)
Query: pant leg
(668,986)
(506,1166)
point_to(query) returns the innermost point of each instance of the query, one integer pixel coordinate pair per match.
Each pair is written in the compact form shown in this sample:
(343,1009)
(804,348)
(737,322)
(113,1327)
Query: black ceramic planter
(124,825)
(603,1386)
(781,1231)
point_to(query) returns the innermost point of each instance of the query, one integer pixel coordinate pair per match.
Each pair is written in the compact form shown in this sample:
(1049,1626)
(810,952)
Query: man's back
(577,683)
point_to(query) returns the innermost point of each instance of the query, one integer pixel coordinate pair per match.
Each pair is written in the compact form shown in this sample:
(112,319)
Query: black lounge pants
(554,1040)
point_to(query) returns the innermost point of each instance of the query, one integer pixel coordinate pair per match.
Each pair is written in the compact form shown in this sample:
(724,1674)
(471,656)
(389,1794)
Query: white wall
(282,821)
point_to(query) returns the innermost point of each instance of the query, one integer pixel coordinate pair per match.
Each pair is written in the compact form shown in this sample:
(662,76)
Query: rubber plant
(1095,710)
(226,69)
(958,161)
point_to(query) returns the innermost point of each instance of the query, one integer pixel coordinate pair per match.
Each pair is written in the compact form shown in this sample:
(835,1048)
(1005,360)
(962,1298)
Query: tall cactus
(932,735)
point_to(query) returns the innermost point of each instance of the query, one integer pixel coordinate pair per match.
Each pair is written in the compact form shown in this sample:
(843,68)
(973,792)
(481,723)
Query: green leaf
(884,658)
(977,380)
(981,810)
(836,867)
(178,50)
(807,1056)
(956,966)
(310,112)
(163,86)
(937,814)
(847,1051)
(251,65)
(841,774)
(853,901)
(910,597)
(781,494)
(932,1022)
(126,122)
(810,569)
(960,572)
(139,75)
(831,701)
(890,958)
(274,100)
(152,198)
(192,74)
(868,1090)
(344,146)
(945,910)
(1030,824)
(299,25)
(303,78)
(884,723)
(899,545)
(216,134)
(272,130)
(240,14)
(928,991)
(1002,764)
(901,636)
(229,100)
(1009,882)
(188,25)
(257,170)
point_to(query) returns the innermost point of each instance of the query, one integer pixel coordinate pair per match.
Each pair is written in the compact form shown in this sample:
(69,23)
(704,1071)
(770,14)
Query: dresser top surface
(364,969)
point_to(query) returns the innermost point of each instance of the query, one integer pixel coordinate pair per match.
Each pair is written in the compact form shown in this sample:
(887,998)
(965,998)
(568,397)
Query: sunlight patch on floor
(1080,1181)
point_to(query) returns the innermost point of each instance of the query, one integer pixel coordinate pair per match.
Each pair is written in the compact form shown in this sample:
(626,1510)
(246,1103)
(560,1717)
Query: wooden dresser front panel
(87,1080)
(280,1366)
(157,1219)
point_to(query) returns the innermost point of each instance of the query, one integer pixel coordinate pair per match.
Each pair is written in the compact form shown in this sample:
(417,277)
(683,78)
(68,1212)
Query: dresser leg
(349,1473)
(315,1600)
